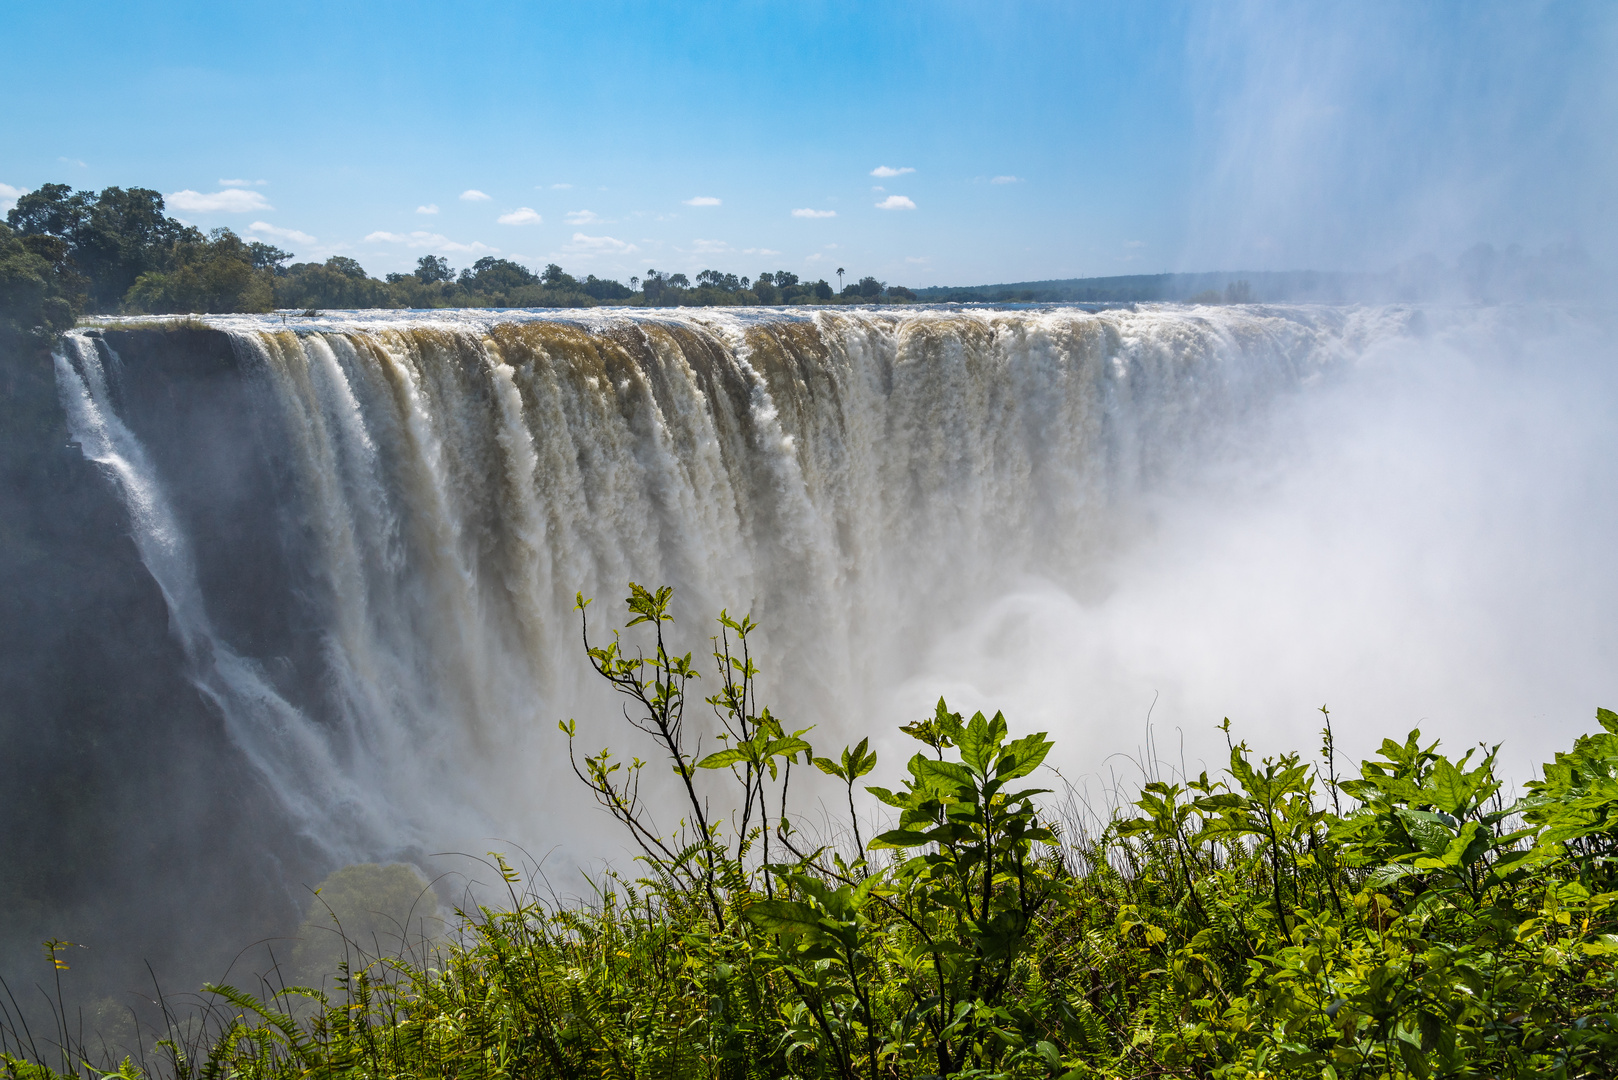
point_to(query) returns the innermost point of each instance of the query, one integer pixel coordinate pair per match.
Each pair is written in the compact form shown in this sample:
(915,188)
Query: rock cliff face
(129,823)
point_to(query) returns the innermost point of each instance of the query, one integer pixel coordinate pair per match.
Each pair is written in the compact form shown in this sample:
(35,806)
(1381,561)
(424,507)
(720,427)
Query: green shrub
(1245,925)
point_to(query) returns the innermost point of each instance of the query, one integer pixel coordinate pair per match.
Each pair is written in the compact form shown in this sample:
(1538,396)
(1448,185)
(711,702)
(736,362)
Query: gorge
(367,531)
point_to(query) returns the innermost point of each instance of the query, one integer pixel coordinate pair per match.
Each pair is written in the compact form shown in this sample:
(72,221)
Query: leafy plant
(1403,922)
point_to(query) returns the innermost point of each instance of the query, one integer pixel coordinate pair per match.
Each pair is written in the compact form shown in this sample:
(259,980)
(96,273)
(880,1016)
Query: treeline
(64,253)
(781,287)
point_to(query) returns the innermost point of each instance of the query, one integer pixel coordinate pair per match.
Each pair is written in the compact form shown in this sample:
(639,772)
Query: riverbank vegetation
(65,253)
(1281,918)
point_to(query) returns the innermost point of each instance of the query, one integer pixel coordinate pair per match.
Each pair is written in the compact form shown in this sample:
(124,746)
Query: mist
(1364,136)
(1424,541)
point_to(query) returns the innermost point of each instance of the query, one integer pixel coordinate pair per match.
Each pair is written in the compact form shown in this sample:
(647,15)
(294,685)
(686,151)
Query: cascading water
(443,485)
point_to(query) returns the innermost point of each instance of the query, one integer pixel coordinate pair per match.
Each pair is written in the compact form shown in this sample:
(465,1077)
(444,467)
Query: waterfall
(444,483)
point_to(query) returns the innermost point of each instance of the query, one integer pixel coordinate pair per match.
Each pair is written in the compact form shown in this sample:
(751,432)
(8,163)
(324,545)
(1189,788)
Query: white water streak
(292,753)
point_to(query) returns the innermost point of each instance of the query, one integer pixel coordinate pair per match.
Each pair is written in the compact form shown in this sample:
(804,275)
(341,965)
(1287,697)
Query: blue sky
(936,143)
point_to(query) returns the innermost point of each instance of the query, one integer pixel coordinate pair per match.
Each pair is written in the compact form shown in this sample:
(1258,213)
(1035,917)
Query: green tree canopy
(433,268)
(216,274)
(37,296)
(112,237)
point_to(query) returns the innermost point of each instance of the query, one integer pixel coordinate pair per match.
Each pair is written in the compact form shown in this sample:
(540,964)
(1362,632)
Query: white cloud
(474,195)
(430,208)
(878,187)
(917,259)
(1134,243)
(816,257)
(594,245)
(759,251)
(702,200)
(9,196)
(808,212)
(888,170)
(896,202)
(72,161)
(434,241)
(560,187)
(710,247)
(279,233)
(523,215)
(243,183)
(229,201)
(582,217)
(1006,180)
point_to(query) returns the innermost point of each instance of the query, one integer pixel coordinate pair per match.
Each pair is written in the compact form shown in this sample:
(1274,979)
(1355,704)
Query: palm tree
(839,279)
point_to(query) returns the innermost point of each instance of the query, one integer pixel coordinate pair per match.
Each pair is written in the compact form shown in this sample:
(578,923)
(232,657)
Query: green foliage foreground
(1273,921)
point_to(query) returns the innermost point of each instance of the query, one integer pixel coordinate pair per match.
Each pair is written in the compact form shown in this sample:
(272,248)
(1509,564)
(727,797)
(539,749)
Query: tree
(491,275)
(431,269)
(112,237)
(342,264)
(555,277)
(717,280)
(604,289)
(53,210)
(338,283)
(216,274)
(839,279)
(870,287)
(267,257)
(38,297)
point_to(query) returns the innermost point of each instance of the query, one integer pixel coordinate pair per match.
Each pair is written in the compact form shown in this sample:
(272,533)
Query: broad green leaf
(1023,756)
(946,776)
(1451,792)
(980,741)
(861,761)
(1470,845)
(1429,833)
(722,758)
(1387,875)
(791,915)
(900,838)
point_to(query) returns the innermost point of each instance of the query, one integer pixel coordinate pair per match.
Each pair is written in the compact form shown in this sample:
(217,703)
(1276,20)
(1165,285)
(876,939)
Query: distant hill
(1308,285)
(1479,274)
